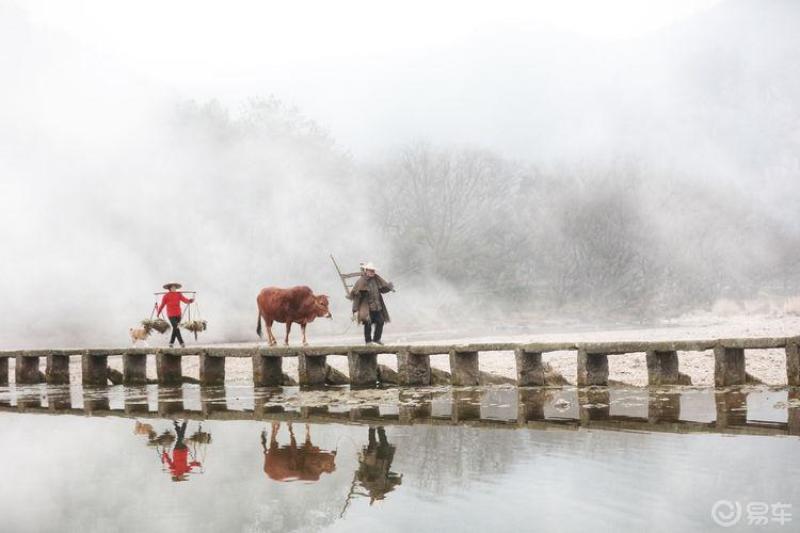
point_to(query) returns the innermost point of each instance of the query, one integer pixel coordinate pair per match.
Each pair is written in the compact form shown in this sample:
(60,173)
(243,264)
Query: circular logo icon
(726,513)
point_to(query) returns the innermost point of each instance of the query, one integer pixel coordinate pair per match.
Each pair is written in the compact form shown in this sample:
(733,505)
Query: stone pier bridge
(413,362)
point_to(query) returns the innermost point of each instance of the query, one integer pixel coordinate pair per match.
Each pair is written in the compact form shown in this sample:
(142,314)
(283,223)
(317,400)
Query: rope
(347,329)
(187,311)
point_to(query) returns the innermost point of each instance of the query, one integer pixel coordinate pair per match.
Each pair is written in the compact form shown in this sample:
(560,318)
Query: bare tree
(444,209)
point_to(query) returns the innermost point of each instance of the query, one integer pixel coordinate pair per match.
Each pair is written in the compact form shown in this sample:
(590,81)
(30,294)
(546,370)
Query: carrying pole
(167,292)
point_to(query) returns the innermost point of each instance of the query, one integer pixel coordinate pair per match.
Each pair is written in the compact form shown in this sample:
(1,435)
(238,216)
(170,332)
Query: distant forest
(606,237)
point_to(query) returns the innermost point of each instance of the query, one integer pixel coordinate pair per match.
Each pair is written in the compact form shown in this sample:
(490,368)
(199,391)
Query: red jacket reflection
(179,464)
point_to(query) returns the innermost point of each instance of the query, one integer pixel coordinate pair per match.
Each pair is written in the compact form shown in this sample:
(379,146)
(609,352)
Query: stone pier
(792,363)
(212,370)
(168,369)
(464,368)
(530,371)
(729,366)
(363,369)
(134,369)
(592,369)
(311,370)
(4,371)
(413,370)
(267,371)
(94,370)
(26,370)
(57,370)
(662,368)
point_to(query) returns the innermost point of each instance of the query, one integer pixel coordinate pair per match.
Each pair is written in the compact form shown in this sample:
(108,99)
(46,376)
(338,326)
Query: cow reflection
(291,462)
(181,460)
(374,466)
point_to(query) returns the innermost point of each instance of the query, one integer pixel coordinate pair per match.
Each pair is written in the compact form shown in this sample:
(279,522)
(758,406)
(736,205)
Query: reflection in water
(293,463)
(595,404)
(153,439)
(179,464)
(374,466)
(182,460)
(374,475)
(452,459)
(735,410)
(663,407)
(95,399)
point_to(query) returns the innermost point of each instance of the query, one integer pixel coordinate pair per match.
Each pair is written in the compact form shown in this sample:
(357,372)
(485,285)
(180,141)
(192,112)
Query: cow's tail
(258,328)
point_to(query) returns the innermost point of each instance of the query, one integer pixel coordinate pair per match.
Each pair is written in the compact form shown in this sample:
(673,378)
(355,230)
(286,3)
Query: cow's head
(321,306)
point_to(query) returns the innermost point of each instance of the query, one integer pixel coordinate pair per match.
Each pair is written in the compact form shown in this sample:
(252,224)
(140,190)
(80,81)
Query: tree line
(618,237)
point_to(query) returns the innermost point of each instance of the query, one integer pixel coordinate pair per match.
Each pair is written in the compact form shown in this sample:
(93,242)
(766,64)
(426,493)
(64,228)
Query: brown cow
(292,463)
(297,304)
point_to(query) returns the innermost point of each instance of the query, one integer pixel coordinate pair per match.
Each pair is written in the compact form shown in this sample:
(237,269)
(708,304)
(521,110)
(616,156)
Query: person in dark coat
(375,466)
(368,305)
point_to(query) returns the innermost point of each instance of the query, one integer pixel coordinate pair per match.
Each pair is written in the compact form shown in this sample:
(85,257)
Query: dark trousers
(176,330)
(180,431)
(376,318)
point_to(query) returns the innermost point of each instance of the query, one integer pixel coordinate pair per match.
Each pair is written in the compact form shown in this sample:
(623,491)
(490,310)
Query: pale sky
(359,68)
(184,42)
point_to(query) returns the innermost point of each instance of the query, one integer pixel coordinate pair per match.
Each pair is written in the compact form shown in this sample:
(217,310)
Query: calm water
(469,460)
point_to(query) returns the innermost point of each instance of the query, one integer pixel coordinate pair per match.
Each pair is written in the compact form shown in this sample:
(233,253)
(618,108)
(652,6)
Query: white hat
(369,266)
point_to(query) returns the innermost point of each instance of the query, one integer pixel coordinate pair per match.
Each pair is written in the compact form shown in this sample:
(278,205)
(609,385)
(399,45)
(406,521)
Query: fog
(493,163)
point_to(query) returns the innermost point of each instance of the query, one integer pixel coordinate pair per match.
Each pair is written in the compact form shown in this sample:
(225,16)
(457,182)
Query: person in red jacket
(172,301)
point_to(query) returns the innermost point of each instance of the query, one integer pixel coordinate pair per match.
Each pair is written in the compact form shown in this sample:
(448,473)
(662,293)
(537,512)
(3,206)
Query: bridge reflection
(738,411)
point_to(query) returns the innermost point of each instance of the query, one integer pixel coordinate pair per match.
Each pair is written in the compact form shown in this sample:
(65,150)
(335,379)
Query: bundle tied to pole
(159,324)
(195,325)
(155,324)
